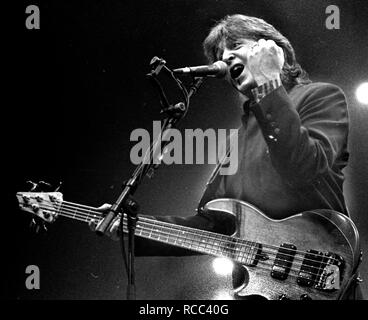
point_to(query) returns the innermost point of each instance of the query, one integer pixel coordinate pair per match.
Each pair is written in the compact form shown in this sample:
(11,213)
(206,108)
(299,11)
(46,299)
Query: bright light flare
(223,295)
(362,93)
(223,266)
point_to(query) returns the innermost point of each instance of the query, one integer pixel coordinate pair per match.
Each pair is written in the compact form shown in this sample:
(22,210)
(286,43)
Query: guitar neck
(193,239)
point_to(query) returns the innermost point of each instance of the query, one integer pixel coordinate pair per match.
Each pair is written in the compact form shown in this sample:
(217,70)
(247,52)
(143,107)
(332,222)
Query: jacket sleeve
(304,143)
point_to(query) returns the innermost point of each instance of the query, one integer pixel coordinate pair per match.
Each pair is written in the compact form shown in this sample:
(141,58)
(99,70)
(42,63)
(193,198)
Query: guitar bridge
(331,275)
(322,271)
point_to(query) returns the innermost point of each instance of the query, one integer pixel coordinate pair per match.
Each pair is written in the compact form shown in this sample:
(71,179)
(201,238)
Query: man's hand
(265,61)
(113,232)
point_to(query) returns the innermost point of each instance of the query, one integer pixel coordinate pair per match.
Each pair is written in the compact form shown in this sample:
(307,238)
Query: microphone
(217,69)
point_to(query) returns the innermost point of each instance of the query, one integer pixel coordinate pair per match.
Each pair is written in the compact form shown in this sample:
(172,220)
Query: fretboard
(201,241)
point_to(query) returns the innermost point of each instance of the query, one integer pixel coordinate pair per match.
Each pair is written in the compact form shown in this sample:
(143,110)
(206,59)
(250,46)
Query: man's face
(235,57)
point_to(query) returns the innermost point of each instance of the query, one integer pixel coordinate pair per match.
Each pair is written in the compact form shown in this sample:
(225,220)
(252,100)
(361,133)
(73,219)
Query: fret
(147,233)
(243,259)
(143,231)
(213,246)
(216,245)
(178,240)
(191,242)
(226,246)
(204,240)
(168,235)
(242,251)
(201,244)
(162,237)
(74,213)
(172,236)
(245,252)
(237,247)
(252,253)
(248,252)
(138,231)
(149,236)
(253,250)
(155,234)
(186,241)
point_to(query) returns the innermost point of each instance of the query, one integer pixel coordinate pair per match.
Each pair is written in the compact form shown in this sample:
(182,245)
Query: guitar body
(321,230)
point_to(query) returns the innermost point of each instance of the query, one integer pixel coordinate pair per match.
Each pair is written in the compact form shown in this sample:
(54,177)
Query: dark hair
(235,27)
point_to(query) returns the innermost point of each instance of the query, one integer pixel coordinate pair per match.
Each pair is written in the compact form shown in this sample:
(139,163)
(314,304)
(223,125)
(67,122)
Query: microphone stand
(125,201)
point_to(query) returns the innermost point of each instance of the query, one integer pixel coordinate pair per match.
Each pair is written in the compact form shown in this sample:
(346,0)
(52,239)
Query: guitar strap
(214,183)
(215,179)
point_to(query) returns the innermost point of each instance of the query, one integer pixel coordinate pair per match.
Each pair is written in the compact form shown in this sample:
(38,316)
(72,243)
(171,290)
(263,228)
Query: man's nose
(228,56)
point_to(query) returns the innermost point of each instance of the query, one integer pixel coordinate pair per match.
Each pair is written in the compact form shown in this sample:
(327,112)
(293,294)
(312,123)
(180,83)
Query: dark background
(77,90)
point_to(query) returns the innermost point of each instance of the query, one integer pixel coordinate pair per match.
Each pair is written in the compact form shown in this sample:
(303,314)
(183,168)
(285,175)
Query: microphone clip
(156,65)
(175,111)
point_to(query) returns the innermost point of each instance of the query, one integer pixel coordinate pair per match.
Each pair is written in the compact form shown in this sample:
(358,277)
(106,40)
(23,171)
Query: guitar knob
(305,297)
(283,297)
(26,200)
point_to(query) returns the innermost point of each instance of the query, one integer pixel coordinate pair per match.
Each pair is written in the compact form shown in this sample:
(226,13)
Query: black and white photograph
(201,151)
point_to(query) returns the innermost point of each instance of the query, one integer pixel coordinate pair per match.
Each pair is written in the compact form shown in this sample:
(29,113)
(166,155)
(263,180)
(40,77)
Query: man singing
(293,139)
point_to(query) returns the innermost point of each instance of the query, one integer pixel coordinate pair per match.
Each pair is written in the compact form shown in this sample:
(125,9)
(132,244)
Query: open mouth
(236,70)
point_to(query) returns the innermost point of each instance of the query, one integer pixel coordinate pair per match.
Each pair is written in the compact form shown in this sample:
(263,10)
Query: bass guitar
(311,255)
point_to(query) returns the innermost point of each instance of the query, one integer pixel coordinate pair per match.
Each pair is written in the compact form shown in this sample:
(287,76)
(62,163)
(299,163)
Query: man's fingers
(113,232)
(262,42)
(92,224)
(104,207)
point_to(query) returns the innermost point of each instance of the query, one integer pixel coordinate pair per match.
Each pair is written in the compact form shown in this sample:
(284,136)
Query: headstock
(44,205)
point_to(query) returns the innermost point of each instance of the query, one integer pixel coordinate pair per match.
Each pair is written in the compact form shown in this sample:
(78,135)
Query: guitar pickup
(310,268)
(283,261)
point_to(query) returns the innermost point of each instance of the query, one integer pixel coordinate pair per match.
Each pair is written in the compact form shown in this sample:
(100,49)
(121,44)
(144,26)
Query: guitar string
(192,230)
(276,249)
(267,267)
(235,251)
(227,249)
(318,255)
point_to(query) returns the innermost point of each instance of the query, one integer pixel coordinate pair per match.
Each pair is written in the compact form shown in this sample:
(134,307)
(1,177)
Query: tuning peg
(33,225)
(58,187)
(44,186)
(37,226)
(33,185)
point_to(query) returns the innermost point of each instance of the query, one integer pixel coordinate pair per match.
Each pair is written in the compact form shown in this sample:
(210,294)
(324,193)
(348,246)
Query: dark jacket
(292,150)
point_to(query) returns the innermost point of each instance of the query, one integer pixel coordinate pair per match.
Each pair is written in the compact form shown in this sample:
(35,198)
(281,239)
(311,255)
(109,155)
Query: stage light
(362,93)
(223,266)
